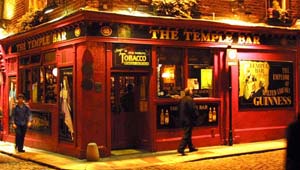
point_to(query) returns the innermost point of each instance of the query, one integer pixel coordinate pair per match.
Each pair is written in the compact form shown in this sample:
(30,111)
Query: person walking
(21,117)
(188,115)
(293,147)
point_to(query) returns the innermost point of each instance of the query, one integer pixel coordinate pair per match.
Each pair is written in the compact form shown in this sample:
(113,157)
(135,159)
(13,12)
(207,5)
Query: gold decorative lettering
(154,33)
(164,34)
(205,38)
(174,35)
(256,40)
(187,35)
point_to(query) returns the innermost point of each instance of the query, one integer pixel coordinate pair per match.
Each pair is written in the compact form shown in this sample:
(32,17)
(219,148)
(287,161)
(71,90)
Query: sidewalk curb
(140,160)
(237,154)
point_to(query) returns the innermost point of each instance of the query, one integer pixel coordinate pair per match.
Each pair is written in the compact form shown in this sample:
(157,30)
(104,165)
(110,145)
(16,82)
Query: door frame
(135,73)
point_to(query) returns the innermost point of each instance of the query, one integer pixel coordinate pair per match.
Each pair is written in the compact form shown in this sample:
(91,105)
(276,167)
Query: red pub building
(115,79)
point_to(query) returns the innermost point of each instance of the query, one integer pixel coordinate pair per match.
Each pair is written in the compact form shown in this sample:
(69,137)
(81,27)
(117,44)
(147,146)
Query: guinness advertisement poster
(265,84)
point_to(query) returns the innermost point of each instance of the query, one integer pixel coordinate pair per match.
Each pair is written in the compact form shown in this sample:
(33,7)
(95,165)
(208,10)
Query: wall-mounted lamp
(231,55)
(54,71)
(50,7)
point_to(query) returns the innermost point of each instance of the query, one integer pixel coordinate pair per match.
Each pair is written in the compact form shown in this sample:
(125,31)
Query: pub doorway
(129,110)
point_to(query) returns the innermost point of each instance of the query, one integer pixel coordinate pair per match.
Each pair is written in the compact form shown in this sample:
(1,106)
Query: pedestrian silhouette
(293,146)
(127,100)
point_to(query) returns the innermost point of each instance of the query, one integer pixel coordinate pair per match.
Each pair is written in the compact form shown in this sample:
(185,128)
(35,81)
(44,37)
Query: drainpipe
(230,137)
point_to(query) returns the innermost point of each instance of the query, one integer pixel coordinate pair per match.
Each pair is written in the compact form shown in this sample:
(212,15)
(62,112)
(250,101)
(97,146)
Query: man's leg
(22,137)
(18,137)
(190,143)
(185,140)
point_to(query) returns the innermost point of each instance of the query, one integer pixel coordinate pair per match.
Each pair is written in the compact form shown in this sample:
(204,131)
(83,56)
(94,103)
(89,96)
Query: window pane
(50,84)
(35,59)
(37,86)
(200,79)
(24,60)
(170,71)
(25,82)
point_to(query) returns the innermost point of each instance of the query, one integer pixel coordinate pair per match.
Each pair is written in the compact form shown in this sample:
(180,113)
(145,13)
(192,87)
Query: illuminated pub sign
(265,84)
(127,31)
(131,55)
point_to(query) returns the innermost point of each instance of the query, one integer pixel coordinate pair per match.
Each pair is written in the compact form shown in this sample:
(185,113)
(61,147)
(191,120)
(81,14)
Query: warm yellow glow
(206,78)
(9,9)
(166,75)
(4,34)
(37,5)
(237,22)
(130,11)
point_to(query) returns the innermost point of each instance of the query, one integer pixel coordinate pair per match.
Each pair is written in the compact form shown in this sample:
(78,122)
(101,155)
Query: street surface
(11,163)
(263,161)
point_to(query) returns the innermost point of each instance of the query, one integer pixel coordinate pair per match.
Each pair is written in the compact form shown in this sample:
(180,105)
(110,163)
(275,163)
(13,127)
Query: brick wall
(257,8)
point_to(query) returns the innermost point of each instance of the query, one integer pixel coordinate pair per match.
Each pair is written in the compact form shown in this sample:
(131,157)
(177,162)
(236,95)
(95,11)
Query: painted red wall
(91,105)
(261,124)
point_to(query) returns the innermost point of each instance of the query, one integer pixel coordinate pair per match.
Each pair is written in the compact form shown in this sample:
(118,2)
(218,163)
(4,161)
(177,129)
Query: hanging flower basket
(176,8)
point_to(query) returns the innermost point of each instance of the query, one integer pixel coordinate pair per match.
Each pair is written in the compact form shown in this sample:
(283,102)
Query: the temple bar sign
(167,34)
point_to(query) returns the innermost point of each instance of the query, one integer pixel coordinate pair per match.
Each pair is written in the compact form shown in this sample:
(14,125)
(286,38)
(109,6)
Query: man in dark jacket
(188,115)
(21,117)
(293,146)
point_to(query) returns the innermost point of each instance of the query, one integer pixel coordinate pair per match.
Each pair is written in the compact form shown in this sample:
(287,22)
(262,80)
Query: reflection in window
(200,78)
(38,82)
(170,71)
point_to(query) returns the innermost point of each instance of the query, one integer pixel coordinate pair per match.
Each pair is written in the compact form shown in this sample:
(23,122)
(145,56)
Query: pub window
(24,61)
(200,74)
(170,71)
(66,115)
(38,80)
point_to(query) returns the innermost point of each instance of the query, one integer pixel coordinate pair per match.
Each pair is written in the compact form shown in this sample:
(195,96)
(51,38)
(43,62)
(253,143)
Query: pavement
(137,159)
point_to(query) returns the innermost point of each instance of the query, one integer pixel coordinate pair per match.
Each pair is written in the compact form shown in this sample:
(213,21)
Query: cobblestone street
(11,163)
(263,161)
(273,160)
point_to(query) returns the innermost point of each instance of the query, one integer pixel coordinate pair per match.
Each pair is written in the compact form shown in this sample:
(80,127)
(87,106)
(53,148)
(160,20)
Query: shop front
(116,80)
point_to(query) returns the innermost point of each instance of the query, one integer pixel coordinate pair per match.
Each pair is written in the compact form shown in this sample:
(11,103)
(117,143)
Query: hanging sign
(131,55)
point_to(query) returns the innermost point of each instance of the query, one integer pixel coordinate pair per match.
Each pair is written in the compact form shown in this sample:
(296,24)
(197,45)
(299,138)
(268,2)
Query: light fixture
(231,55)
(54,72)
(50,7)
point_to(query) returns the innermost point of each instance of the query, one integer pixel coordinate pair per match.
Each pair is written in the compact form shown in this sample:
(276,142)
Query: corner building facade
(74,73)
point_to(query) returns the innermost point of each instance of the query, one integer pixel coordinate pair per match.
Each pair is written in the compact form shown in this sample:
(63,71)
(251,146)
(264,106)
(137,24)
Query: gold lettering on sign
(60,36)
(42,41)
(21,47)
(166,34)
(242,39)
(137,58)
(272,101)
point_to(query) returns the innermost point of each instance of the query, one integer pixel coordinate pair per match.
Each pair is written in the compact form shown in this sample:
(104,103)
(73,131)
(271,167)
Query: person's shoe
(181,152)
(21,150)
(193,149)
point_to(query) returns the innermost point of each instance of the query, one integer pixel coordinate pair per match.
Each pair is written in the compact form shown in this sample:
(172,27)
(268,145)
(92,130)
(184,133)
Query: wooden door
(128,103)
